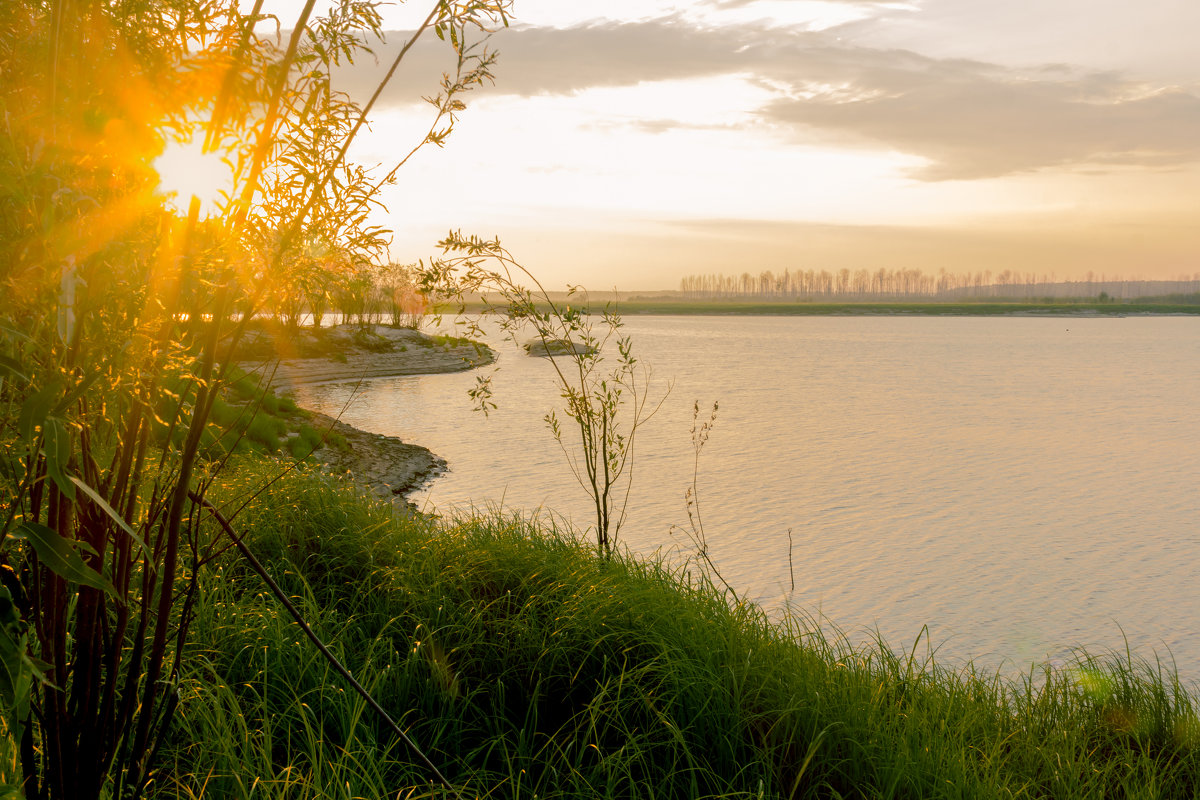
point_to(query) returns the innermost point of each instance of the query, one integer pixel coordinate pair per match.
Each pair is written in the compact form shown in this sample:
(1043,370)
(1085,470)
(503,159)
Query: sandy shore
(385,464)
(411,353)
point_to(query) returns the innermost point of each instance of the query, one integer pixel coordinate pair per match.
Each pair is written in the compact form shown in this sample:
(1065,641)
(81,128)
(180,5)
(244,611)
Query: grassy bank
(526,667)
(969,309)
(998,308)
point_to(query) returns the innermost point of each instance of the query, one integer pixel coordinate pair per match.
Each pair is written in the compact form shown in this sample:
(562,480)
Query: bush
(267,431)
(312,436)
(298,447)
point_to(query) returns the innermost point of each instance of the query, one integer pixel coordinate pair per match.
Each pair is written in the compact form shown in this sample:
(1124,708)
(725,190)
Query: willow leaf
(60,554)
(111,512)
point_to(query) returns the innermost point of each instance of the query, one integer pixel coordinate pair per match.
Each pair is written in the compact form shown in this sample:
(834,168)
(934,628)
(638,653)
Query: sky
(629,143)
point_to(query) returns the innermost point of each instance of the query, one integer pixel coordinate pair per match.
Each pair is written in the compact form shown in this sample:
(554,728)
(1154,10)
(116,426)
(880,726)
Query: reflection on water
(1020,485)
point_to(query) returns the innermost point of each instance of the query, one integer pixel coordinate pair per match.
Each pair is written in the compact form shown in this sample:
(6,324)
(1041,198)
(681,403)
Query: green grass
(446,341)
(298,448)
(242,385)
(312,436)
(978,308)
(266,430)
(527,667)
(244,418)
(961,309)
(307,440)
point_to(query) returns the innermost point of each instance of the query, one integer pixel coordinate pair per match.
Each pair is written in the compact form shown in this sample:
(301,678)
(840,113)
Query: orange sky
(665,138)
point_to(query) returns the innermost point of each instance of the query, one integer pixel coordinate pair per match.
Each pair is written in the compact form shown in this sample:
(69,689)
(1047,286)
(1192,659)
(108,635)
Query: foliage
(860,285)
(526,666)
(695,533)
(371,293)
(1048,307)
(120,320)
(605,401)
(401,297)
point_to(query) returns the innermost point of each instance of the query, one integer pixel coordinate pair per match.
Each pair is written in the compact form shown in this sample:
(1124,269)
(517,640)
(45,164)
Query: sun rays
(185,170)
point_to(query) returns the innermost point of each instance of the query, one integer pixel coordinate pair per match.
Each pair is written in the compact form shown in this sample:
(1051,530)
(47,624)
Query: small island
(557,347)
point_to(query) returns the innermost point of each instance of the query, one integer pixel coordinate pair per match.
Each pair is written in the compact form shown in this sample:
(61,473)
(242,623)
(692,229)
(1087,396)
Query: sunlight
(186,171)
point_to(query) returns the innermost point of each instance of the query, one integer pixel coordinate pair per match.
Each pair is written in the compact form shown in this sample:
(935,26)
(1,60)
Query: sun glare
(186,171)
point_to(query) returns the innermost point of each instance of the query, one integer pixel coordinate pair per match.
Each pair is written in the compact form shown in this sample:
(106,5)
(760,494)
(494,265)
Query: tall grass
(525,666)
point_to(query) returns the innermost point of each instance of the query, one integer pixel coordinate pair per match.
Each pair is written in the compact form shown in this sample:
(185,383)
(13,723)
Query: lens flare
(186,171)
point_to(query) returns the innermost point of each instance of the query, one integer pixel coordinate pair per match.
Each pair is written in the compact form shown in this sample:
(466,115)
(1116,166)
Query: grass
(268,340)
(527,667)
(447,341)
(899,308)
(309,439)
(247,418)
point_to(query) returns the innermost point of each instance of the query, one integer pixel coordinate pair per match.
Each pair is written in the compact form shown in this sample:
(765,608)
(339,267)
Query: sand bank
(398,351)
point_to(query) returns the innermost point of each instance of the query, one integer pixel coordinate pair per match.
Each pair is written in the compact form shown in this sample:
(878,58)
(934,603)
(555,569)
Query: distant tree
(401,295)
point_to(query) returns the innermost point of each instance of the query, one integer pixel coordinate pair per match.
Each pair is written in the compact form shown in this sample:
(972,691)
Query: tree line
(913,284)
(346,288)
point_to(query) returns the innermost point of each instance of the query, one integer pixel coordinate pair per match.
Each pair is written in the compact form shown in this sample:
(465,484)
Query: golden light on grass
(185,171)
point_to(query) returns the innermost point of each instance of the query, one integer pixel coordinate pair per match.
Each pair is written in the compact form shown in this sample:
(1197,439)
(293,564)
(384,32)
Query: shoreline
(1107,310)
(386,465)
(411,353)
(392,468)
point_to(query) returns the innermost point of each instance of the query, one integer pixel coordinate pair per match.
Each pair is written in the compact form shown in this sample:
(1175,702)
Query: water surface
(1019,485)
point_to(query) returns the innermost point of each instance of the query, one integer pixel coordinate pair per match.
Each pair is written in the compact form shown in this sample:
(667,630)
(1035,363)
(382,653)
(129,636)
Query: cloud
(728,4)
(975,120)
(1064,245)
(537,60)
(967,119)
(657,125)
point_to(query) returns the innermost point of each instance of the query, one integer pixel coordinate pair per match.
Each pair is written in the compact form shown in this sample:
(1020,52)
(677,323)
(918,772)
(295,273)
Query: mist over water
(1019,485)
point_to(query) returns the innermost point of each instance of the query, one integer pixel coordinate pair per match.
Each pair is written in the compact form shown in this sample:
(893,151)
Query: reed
(121,323)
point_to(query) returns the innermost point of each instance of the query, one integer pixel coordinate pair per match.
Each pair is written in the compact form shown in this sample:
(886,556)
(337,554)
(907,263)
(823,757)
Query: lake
(1018,485)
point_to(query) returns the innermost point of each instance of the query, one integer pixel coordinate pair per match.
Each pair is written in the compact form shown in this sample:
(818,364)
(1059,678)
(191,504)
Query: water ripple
(1018,488)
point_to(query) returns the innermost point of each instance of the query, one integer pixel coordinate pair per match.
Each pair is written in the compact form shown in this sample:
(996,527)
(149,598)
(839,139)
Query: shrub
(267,431)
(298,447)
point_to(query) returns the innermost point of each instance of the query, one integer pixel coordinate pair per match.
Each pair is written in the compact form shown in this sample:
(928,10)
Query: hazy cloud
(658,125)
(727,4)
(1163,248)
(967,118)
(561,61)
(1156,40)
(973,120)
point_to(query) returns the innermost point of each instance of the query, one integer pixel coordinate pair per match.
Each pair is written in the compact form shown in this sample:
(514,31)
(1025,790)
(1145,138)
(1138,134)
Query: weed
(527,666)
